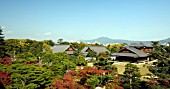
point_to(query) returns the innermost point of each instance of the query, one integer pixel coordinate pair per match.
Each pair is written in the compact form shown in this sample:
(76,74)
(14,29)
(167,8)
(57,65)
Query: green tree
(81,61)
(12,47)
(167,48)
(29,76)
(102,61)
(132,73)
(160,51)
(93,81)
(49,42)
(91,54)
(36,47)
(20,46)
(59,62)
(46,48)
(28,73)
(2,44)
(78,47)
(114,47)
(60,40)
(161,69)
(114,50)
(65,42)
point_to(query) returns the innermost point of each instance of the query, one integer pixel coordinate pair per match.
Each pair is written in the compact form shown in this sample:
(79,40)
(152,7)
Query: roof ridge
(136,51)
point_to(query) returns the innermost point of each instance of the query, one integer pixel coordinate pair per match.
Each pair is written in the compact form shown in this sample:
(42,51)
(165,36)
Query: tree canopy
(2,44)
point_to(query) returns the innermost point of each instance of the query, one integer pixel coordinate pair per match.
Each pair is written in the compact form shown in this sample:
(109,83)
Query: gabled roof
(140,45)
(61,48)
(125,55)
(136,51)
(97,49)
(84,49)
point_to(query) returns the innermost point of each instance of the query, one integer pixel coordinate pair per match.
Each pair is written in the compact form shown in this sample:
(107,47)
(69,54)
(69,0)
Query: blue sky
(85,19)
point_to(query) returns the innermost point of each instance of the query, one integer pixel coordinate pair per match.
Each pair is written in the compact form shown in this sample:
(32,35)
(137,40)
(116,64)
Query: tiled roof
(61,48)
(97,49)
(84,49)
(125,54)
(136,51)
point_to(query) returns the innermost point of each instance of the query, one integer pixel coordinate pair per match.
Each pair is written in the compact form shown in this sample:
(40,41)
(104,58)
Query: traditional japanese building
(96,49)
(143,47)
(130,53)
(63,48)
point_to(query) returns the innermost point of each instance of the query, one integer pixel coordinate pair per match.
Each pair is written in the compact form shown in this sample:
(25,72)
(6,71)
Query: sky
(72,20)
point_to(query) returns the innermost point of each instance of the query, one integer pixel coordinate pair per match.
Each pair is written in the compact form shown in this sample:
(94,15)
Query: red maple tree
(7,61)
(5,78)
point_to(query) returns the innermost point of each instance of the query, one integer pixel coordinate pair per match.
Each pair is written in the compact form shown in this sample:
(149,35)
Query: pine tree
(2,44)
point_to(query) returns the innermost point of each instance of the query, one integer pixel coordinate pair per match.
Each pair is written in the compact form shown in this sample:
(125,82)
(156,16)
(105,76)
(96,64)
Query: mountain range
(106,40)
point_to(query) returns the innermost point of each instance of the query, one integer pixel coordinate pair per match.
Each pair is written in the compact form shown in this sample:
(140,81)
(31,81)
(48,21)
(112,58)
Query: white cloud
(71,41)
(8,32)
(48,34)
(2,27)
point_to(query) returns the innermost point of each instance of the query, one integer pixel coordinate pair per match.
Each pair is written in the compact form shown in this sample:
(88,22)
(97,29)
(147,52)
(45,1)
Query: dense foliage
(161,69)
(132,76)
(22,47)
(114,47)
(34,73)
(85,78)
(31,64)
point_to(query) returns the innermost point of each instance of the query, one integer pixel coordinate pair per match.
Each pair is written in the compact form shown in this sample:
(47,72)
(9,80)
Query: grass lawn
(144,71)
(121,68)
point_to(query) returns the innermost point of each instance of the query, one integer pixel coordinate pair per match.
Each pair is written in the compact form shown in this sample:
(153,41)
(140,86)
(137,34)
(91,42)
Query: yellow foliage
(115,45)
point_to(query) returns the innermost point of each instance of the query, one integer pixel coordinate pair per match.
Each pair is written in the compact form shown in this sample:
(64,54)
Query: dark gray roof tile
(125,54)
(136,51)
(97,49)
(61,48)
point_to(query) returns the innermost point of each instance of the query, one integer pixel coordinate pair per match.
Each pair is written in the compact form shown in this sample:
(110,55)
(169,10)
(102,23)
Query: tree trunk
(130,81)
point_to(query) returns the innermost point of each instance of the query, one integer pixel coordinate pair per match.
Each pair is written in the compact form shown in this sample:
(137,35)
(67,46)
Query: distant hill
(165,40)
(106,40)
